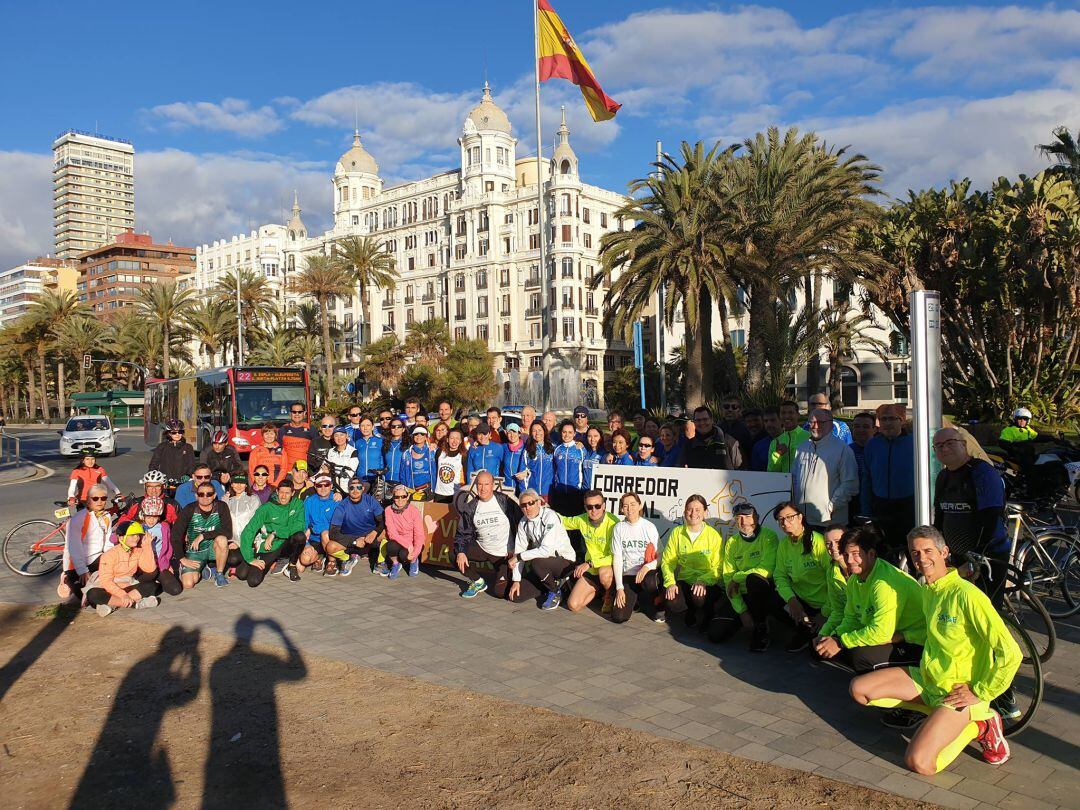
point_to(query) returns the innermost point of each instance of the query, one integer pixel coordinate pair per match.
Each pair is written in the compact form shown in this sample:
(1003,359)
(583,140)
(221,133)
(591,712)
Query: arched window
(564,168)
(849,387)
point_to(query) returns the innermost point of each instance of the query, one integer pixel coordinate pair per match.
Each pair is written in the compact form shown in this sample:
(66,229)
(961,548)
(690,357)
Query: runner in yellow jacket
(594,575)
(690,566)
(750,595)
(968,660)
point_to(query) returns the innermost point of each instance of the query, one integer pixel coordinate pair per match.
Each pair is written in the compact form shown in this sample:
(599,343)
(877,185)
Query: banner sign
(664,490)
(270,376)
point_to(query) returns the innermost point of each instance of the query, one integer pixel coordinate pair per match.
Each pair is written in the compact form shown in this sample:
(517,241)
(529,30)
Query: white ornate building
(467,248)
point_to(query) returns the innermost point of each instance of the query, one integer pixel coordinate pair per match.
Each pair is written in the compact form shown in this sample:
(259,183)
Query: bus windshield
(256,404)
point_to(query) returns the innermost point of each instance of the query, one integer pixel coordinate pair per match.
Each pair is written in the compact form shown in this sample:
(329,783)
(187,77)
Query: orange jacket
(118,562)
(273,458)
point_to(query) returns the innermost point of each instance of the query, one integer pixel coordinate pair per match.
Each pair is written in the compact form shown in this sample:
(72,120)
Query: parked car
(94,431)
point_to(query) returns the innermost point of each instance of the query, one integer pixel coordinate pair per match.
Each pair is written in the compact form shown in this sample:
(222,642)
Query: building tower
(93,191)
(356,182)
(487,149)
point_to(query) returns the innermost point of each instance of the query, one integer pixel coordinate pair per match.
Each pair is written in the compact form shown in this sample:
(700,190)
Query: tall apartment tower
(93,191)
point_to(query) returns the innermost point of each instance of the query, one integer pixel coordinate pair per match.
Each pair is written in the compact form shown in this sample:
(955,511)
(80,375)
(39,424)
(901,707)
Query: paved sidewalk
(774,707)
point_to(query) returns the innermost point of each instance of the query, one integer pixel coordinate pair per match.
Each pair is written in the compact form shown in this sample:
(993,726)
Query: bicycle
(1013,593)
(35,547)
(1049,557)
(1027,685)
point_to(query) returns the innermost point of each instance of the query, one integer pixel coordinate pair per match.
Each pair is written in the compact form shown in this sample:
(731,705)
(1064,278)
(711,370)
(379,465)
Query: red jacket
(273,458)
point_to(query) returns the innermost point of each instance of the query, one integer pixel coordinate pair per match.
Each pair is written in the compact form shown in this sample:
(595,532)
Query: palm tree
(48,312)
(17,350)
(367,262)
(323,279)
(844,331)
(279,349)
(78,336)
(678,246)
(427,341)
(796,207)
(257,303)
(307,321)
(385,363)
(168,305)
(1066,153)
(791,339)
(210,323)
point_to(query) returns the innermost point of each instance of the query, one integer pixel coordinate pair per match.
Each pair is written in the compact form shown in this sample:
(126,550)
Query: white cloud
(231,115)
(26,227)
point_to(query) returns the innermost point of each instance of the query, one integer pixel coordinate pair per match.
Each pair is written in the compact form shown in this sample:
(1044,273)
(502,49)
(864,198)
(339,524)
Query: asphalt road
(19,502)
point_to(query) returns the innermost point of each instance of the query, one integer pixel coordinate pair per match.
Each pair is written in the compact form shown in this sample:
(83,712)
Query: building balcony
(388,303)
(533,312)
(532,283)
(427,298)
(410,300)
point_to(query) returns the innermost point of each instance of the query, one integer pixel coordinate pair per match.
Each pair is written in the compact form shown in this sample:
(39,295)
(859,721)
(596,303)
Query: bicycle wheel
(1054,572)
(1030,613)
(1027,685)
(20,555)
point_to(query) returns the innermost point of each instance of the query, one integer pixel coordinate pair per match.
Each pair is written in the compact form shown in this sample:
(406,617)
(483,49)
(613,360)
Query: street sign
(86,361)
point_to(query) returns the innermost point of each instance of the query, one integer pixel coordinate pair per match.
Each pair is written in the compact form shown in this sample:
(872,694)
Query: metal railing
(10,447)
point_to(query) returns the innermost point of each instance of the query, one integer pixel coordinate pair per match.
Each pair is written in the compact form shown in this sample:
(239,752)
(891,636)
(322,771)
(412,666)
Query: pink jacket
(406,528)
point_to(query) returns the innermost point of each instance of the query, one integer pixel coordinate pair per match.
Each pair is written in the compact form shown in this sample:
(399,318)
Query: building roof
(358,159)
(487,115)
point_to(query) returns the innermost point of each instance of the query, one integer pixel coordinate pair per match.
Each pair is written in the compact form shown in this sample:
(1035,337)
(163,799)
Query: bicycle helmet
(174,425)
(1021,413)
(219,437)
(153,477)
(87,451)
(152,505)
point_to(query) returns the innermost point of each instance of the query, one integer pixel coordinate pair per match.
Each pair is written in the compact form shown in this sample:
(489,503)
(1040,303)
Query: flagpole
(545,335)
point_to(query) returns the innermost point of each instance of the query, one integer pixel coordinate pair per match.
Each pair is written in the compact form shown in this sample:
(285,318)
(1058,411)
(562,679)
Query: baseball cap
(300,464)
(514,426)
(323,479)
(581,410)
(419,429)
(239,478)
(342,429)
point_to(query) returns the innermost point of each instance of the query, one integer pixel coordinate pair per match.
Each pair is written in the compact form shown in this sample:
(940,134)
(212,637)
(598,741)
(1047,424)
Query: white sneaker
(147,602)
(104,610)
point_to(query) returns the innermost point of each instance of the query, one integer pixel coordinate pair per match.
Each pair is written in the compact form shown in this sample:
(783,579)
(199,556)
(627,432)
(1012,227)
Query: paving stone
(696,731)
(982,791)
(946,798)
(757,752)
(903,785)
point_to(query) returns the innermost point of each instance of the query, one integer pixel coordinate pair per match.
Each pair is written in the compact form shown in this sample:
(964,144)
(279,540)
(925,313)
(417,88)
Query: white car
(94,431)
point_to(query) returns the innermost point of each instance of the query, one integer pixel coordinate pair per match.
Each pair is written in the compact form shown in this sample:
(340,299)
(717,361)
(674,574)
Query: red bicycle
(35,547)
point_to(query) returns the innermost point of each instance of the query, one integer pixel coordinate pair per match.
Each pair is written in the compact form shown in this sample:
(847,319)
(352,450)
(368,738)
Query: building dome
(358,159)
(487,115)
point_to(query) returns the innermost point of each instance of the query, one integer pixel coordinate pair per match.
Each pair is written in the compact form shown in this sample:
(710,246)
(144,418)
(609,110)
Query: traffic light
(86,361)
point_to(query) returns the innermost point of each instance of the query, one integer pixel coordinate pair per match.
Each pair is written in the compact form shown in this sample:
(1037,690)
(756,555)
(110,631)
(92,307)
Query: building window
(459,309)
(408,317)
(586,240)
(568,298)
(590,362)
(412,263)
(609,362)
(603,220)
(431,260)
(460,333)
(567,235)
(585,215)
(504,277)
(506,334)
(482,331)
(489,185)
(460,251)
(536,362)
(900,381)
(482,247)
(481,306)
(849,387)
(738,337)
(511,363)
(483,221)
(459,282)
(481,279)
(568,328)
(534,241)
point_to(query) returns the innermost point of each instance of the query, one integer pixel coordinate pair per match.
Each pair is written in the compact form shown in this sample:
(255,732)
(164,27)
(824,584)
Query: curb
(39,472)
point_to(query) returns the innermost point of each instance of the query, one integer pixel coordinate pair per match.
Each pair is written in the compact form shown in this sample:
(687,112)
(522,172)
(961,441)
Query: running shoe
(552,601)
(395,571)
(475,589)
(104,610)
(759,642)
(801,640)
(147,602)
(207,572)
(1005,705)
(414,568)
(292,573)
(279,567)
(348,565)
(221,580)
(382,569)
(902,719)
(995,748)
(660,617)
(318,565)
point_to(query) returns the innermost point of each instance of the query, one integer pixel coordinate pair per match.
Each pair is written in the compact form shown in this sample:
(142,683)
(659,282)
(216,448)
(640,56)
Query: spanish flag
(560,58)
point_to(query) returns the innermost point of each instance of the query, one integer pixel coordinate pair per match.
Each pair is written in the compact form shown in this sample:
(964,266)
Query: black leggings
(761,600)
(548,570)
(349,541)
(498,580)
(685,601)
(397,551)
(254,575)
(146,584)
(645,592)
(878,656)
(72,578)
(170,582)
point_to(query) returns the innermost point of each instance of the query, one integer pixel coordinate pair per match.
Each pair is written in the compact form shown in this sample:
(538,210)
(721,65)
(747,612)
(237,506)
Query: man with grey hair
(528,416)
(969,659)
(542,541)
(550,420)
(825,475)
(484,540)
(839,428)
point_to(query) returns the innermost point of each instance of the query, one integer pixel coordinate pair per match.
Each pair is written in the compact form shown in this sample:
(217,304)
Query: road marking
(49,472)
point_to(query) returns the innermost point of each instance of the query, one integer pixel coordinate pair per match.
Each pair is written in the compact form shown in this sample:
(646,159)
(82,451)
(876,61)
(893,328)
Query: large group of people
(324,497)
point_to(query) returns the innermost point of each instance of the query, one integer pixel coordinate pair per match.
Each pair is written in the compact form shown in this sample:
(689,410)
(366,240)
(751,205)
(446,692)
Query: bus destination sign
(261,376)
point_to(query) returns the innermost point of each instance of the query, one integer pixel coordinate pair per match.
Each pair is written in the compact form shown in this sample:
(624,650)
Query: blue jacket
(759,458)
(592,458)
(357,519)
(625,460)
(541,471)
(318,512)
(569,463)
(513,463)
(889,467)
(415,472)
(484,457)
(392,458)
(672,457)
(640,462)
(370,453)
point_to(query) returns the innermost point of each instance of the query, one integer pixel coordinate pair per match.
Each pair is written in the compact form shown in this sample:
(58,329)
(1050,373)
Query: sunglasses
(209,494)
(97,498)
(356,486)
(397,427)
(261,475)
(526,504)
(354,415)
(593,507)
(201,477)
(327,427)
(176,433)
(642,444)
(401,497)
(294,410)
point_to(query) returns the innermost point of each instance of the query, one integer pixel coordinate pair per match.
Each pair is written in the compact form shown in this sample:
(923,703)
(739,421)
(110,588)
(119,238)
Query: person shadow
(127,765)
(243,764)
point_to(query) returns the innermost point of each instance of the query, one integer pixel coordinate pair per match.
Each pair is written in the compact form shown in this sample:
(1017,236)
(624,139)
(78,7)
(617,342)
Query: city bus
(237,399)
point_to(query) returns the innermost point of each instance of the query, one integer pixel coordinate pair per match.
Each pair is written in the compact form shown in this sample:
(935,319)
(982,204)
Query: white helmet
(153,477)
(1021,413)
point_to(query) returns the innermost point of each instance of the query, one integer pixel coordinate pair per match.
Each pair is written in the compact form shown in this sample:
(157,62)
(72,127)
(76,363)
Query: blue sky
(232,105)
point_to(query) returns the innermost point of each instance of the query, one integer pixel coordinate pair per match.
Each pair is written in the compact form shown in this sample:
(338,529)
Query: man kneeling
(969,658)
(276,530)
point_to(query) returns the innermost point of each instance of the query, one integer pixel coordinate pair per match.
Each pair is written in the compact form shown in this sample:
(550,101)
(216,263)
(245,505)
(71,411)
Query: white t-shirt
(628,544)
(492,528)
(450,474)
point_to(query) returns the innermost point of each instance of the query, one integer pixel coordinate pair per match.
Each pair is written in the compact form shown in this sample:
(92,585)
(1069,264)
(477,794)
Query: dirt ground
(116,713)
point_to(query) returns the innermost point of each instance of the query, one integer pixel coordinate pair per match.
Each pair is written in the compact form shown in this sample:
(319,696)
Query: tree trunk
(699,360)
(836,389)
(813,367)
(328,346)
(61,394)
(755,344)
(43,382)
(31,390)
(165,350)
(82,378)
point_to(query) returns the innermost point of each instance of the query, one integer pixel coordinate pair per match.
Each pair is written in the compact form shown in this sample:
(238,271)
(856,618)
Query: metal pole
(239,324)
(545,332)
(925,309)
(639,360)
(660,356)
